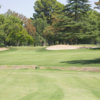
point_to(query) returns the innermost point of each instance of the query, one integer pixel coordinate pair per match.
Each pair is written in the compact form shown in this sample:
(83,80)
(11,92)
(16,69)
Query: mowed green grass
(41,57)
(49,85)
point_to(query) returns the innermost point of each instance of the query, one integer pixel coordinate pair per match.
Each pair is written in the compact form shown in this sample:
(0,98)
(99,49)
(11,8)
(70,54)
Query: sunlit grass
(41,57)
(49,85)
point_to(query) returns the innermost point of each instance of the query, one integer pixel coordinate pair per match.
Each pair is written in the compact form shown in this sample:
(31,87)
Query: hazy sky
(24,7)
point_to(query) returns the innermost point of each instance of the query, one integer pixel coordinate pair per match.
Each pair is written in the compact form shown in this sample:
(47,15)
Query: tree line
(52,23)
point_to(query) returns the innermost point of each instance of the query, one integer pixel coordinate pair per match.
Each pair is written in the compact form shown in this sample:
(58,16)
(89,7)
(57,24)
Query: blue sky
(24,7)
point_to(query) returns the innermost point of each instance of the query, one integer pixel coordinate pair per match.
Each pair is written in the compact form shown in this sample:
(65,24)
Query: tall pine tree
(46,8)
(77,8)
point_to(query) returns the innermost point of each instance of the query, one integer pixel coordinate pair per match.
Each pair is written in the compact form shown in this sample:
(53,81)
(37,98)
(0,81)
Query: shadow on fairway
(94,61)
(95,48)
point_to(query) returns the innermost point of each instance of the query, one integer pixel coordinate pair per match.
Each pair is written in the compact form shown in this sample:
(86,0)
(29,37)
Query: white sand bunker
(63,47)
(3,49)
(68,47)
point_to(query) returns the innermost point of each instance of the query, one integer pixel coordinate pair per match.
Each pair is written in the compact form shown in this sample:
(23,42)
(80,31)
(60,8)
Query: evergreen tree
(45,8)
(77,8)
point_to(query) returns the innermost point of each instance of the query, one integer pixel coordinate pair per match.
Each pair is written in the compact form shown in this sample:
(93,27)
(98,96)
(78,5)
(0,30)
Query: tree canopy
(52,23)
(12,32)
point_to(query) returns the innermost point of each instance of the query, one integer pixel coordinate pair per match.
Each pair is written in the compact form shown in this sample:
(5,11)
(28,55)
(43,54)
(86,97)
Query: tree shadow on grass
(95,48)
(94,61)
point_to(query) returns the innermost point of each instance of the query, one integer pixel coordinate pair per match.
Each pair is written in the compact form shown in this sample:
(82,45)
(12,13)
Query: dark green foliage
(39,24)
(12,32)
(52,23)
(2,38)
(77,8)
(46,8)
(76,24)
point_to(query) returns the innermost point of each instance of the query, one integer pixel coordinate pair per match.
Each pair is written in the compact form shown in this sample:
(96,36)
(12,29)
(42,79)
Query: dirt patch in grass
(18,67)
(91,69)
(68,47)
(3,49)
(88,69)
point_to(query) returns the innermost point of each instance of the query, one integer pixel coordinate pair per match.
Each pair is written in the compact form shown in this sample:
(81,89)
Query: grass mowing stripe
(49,85)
